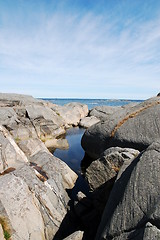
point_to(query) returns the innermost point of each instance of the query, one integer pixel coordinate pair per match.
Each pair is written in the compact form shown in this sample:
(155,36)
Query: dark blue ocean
(92,102)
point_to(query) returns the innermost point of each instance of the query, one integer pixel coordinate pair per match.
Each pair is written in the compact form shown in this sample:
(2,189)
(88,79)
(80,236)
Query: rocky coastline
(121,165)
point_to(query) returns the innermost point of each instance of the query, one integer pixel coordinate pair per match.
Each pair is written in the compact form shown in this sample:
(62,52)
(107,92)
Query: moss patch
(5,228)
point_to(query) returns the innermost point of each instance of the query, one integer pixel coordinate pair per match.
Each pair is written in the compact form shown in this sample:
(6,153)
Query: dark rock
(132,211)
(136,127)
(107,167)
(103,112)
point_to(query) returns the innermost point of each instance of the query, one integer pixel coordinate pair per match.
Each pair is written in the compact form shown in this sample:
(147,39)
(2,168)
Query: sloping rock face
(103,112)
(32,194)
(108,165)
(132,211)
(134,127)
(33,183)
(19,210)
(88,121)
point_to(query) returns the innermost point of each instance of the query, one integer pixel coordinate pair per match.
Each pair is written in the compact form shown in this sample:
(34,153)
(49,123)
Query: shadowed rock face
(108,165)
(136,127)
(132,211)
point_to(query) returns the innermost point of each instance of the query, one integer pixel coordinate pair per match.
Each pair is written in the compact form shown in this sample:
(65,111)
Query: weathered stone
(12,99)
(134,200)
(105,168)
(52,202)
(19,210)
(38,112)
(103,112)
(57,143)
(8,117)
(88,121)
(147,233)
(10,154)
(135,127)
(55,168)
(72,112)
(32,146)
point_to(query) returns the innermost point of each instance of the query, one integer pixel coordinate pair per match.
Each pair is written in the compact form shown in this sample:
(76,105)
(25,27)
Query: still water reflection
(73,157)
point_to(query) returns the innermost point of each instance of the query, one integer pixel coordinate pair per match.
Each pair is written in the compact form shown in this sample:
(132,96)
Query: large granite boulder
(132,211)
(108,165)
(103,112)
(47,123)
(50,194)
(72,112)
(134,127)
(12,99)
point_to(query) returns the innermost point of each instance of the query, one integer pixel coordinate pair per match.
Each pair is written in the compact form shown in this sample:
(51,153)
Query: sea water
(92,102)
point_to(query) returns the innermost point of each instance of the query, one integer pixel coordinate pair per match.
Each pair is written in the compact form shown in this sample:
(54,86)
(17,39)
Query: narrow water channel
(73,157)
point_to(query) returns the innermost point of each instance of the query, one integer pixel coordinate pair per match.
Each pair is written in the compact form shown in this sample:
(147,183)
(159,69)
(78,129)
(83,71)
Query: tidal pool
(73,157)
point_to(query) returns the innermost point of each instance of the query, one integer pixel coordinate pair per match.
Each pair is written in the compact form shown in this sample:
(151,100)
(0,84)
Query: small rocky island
(121,166)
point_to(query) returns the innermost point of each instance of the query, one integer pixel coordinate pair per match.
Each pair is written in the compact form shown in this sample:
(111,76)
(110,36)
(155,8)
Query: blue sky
(80,48)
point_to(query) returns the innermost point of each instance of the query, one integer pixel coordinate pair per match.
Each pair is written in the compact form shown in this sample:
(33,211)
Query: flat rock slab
(88,121)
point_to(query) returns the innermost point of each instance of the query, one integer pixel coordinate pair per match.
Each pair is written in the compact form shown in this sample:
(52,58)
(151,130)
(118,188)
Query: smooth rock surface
(55,168)
(88,121)
(52,203)
(103,112)
(20,206)
(135,127)
(132,211)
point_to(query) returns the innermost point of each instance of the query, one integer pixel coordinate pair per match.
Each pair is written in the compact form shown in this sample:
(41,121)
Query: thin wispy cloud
(90,50)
